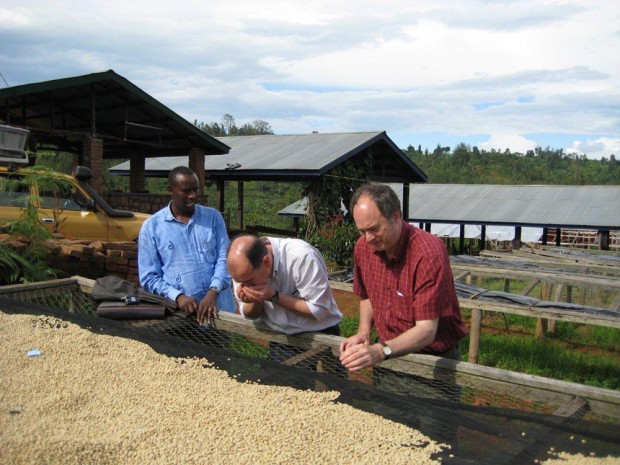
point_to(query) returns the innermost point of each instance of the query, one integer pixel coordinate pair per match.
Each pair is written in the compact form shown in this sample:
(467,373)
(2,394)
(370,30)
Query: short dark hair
(179,170)
(255,252)
(381,194)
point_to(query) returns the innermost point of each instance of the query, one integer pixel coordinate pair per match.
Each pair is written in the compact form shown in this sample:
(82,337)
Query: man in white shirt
(283,284)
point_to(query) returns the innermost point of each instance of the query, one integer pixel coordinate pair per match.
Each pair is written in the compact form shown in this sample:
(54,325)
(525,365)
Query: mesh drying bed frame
(441,408)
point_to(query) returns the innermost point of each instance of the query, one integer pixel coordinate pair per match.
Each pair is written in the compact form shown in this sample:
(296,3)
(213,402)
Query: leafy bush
(29,264)
(336,239)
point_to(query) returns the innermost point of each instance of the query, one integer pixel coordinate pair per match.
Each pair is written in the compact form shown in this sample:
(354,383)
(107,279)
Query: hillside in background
(465,165)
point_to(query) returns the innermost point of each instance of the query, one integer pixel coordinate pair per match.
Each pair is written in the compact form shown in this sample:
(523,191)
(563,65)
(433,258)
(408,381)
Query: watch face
(387,351)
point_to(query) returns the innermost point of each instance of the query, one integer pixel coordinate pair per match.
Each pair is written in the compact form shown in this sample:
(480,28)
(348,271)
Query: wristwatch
(276,297)
(215,289)
(387,351)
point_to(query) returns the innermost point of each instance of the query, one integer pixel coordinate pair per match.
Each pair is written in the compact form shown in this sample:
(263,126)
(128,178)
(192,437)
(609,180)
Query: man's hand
(208,308)
(186,303)
(354,340)
(255,293)
(361,355)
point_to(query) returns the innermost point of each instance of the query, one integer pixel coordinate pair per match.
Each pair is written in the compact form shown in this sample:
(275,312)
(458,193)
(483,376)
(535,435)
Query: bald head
(247,256)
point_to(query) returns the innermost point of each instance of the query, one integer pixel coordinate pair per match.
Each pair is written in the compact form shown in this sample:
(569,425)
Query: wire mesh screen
(481,425)
(427,383)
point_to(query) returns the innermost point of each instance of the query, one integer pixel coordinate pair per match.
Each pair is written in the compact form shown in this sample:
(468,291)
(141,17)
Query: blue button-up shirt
(177,258)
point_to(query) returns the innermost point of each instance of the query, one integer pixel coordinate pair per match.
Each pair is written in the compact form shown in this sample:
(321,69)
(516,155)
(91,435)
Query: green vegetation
(466,165)
(573,352)
(551,357)
(244,345)
(554,357)
(228,127)
(262,202)
(336,240)
(29,263)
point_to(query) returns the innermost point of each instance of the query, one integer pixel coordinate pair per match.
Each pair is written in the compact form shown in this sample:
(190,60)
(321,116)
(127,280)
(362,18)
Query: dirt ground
(348,303)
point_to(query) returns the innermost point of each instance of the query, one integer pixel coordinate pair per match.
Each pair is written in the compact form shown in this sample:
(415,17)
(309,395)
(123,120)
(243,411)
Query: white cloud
(595,149)
(514,142)
(494,71)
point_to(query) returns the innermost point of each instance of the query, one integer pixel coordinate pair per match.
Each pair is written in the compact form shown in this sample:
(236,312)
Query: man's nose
(369,236)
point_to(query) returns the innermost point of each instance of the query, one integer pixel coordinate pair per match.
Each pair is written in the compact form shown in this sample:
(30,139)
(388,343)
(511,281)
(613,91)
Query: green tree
(228,127)
(28,229)
(538,166)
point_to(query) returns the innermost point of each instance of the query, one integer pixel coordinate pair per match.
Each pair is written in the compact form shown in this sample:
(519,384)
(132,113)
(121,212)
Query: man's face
(241,271)
(380,232)
(184,193)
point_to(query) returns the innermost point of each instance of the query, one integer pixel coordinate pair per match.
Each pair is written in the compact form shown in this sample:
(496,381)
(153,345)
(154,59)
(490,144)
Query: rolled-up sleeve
(313,283)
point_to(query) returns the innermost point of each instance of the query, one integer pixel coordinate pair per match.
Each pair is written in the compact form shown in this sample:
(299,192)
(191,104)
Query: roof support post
(136,173)
(558,237)
(516,242)
(92,157)
(603,239)
(197,165)
(483,236)
(219,195)
(240,205)
(544,236)
(461,239)
(405,205)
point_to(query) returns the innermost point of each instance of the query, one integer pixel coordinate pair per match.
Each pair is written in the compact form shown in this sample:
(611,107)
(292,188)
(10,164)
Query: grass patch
(576,353)
(538,357)
(243,345)
(349,325)
(591,297)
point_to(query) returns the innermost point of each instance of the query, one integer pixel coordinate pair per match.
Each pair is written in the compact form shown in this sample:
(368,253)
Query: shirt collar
(169,216)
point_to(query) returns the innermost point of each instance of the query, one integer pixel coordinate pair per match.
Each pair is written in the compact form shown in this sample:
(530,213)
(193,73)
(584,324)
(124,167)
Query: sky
(493,74)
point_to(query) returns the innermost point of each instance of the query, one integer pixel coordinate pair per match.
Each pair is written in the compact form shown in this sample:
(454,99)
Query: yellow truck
(70,207)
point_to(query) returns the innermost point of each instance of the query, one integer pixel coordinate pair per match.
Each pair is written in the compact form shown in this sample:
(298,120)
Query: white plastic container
(12,143)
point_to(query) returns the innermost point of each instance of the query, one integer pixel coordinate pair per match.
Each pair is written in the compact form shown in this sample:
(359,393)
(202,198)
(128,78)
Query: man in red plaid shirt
(402,275)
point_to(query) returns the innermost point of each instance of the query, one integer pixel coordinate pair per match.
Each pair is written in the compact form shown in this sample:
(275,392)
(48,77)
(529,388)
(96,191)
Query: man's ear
(267,261)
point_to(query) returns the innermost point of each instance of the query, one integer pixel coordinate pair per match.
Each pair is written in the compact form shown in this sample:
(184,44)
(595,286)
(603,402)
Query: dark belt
(453,353)
(333,330)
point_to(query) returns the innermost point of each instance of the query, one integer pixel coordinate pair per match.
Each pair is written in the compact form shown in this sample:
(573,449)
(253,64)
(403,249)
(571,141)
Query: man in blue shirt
(182,251)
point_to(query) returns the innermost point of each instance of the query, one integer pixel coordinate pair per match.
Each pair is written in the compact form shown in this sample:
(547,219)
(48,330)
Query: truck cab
(69,205)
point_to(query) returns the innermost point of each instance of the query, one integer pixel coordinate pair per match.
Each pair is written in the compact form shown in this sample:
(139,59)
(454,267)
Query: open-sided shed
(294,158)
(103,116)
(515,206)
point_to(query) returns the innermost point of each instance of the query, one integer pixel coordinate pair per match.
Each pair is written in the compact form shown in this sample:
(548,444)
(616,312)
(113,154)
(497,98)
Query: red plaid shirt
(415,284)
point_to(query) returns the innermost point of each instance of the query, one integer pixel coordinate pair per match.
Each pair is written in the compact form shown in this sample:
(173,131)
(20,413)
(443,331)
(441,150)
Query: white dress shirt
(299,271)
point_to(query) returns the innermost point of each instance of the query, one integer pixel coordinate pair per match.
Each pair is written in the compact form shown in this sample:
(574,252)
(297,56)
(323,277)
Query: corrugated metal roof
(263,156)
(103,105)
(595,207)
(581,207)
(291,152)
